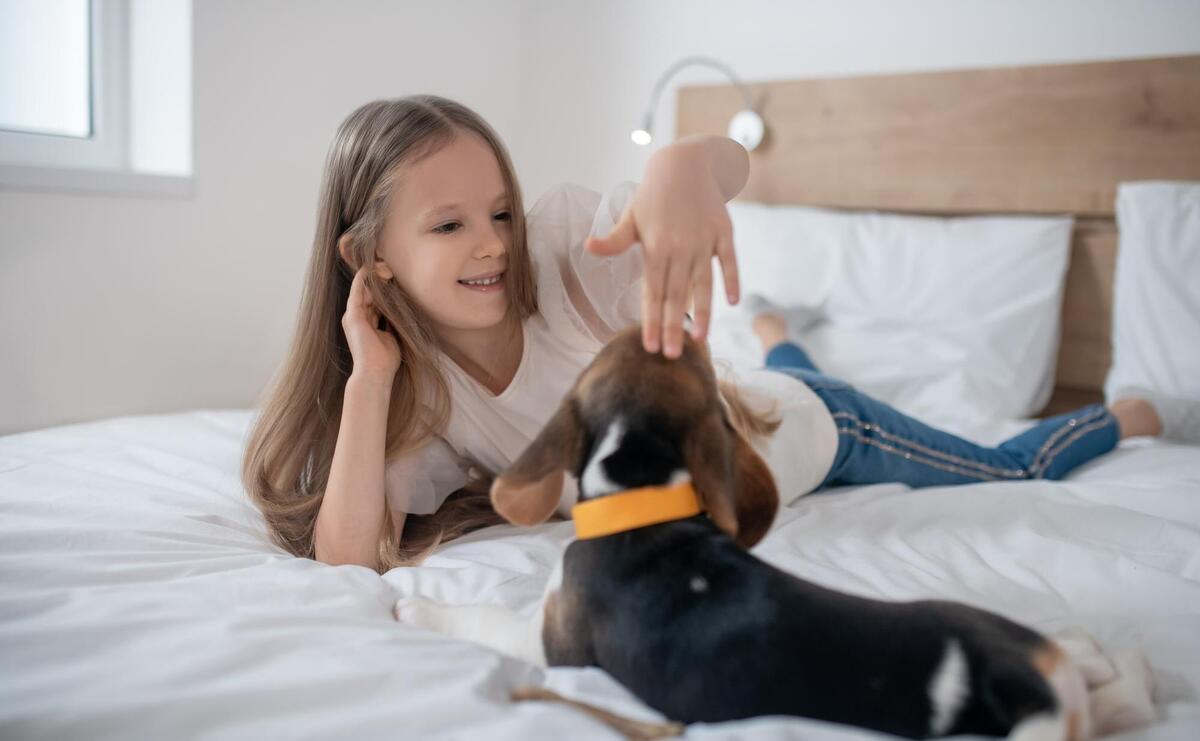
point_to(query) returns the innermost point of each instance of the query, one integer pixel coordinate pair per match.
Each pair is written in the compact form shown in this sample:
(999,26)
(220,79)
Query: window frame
(102,162)
(107,148)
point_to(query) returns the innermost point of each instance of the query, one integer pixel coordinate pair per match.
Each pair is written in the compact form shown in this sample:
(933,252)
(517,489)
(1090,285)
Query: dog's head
(637,419)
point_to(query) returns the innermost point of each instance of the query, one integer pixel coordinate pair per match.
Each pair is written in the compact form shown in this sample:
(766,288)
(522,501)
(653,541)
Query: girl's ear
(734,484)
(529,490)
(343,246)
(381,268)
(383,271)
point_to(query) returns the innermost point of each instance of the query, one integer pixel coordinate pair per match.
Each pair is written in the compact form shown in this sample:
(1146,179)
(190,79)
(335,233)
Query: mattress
(142,597)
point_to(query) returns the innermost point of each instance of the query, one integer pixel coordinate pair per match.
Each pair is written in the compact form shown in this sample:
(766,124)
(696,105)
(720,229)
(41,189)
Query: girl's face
(449,222)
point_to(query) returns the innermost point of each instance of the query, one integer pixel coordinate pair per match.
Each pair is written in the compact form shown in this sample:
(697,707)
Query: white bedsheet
(142,599)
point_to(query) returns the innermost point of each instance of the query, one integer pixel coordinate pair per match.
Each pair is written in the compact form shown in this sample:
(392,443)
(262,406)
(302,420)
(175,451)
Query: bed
(142,597)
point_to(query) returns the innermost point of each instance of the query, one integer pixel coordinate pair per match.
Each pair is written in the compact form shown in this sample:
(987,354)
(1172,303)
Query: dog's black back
(702,630)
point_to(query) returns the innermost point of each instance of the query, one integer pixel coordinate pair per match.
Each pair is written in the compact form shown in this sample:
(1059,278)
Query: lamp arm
(648,118)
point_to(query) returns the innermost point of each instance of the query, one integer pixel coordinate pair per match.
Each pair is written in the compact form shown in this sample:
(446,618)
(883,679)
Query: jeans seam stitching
(911,457)
(1036,463)
(1067,426)
(1079,432)
(1011,472)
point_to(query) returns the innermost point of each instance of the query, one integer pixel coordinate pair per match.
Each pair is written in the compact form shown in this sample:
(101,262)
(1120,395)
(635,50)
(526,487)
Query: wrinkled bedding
(142,598)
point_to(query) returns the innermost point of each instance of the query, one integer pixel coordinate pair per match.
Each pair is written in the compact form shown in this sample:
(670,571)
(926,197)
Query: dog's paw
(1127,701)
(1097,668)
(420,612)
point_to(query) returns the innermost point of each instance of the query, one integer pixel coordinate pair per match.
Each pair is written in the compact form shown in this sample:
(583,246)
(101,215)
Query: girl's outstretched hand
(678,214)
(376,352)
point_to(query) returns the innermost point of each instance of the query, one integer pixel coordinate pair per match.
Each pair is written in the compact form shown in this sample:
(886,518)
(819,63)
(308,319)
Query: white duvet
(141,597)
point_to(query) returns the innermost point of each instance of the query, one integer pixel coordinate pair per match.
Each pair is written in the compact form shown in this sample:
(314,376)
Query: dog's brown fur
(740,499)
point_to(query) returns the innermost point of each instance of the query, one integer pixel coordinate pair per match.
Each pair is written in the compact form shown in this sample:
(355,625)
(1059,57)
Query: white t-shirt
(583,299)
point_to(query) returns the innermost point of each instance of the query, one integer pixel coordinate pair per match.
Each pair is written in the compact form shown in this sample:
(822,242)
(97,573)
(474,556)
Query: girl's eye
(451,226)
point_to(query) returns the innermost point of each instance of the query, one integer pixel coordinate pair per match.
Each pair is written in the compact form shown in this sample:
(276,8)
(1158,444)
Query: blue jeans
(878,444)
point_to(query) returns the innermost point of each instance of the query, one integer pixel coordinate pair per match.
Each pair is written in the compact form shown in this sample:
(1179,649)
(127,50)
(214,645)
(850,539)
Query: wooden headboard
(1049,139)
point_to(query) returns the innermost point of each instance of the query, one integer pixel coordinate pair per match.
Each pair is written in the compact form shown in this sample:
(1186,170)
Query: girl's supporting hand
(376,352)
(678,214)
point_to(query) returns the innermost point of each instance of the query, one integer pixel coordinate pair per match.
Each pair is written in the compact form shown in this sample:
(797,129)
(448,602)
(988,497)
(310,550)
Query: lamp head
(746,128)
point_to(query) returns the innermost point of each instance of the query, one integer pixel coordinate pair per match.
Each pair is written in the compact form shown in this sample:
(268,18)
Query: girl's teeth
(486,282)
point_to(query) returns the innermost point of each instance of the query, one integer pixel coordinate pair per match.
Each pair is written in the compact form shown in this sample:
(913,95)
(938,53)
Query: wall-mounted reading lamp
(746,127)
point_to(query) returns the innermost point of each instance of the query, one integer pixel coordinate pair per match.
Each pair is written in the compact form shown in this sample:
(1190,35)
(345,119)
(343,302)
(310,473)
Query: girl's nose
(491,245)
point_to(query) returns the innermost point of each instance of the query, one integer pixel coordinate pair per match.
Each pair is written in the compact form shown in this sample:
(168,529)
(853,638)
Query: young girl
(440,326)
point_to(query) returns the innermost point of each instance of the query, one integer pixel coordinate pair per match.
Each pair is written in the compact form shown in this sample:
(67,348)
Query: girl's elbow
(336,557)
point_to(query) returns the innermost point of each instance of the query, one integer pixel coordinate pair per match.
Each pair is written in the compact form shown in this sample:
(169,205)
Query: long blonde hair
(290,448)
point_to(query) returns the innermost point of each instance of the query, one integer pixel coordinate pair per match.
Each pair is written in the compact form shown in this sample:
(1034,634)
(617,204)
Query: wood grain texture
(1049,139)
(1053,139)
(1085,348)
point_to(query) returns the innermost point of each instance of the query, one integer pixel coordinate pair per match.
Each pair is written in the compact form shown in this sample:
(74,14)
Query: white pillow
(789,255)
(1156,291)
(948,319)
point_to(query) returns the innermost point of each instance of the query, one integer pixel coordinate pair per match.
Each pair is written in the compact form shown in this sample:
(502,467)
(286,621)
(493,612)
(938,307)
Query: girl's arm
(678,214)
(351,517)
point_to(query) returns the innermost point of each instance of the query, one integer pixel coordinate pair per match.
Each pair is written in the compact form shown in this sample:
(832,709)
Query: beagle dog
(659,590)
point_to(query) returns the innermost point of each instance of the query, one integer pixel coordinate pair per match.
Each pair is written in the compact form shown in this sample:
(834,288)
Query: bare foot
(1136,417)
(774,324)
(771,329)
(1146,412)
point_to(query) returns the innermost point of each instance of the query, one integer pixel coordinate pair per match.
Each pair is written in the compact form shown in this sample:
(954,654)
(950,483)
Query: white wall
(607,56)
(114,306)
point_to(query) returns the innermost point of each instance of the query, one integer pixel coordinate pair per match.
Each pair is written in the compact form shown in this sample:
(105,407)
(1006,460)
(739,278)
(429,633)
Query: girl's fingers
(679,276)
(369,308)
(702,280)
(354,300)
(623,234)
(652,298)
(367,298)
(359,305)
(729,268)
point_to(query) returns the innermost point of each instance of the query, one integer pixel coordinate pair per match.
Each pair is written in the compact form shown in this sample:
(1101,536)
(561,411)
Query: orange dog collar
(634,508)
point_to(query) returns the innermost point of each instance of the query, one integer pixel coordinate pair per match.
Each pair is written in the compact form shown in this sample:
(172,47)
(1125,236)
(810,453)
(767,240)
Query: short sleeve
(604,290)
(420,480)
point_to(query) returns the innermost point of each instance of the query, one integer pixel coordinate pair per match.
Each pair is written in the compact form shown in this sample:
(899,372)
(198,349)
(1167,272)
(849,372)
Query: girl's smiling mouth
(488,282)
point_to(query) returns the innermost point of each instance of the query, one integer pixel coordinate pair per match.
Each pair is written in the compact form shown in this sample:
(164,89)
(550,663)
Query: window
(51,37)
(95,95)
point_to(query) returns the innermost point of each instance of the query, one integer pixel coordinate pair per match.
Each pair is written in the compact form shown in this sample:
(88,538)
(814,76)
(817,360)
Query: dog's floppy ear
(528,491)
(755,496)
(732,481)
(708,453)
